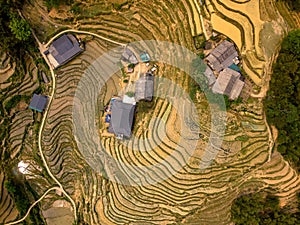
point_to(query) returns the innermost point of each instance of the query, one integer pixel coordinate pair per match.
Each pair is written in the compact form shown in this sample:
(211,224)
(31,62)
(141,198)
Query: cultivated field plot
(19,126)
(190,196)
(8,212)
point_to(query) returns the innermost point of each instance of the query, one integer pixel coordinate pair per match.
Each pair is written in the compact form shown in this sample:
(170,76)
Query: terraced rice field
(245,23)
(8,212)
(189,196)
(292,18)
(18,141)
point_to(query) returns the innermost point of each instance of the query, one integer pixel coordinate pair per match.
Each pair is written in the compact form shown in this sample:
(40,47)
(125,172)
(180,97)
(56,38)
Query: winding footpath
(42,49)
(36,202)
(82,32)
(60,187)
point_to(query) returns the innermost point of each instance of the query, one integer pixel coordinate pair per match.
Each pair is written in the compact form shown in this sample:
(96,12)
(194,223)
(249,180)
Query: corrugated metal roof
(122,115)
(145,57)
(228,83)
(144,88)
(129,56)
(38,102)
(222,56)
(62,44)
(234,67)
(64,49)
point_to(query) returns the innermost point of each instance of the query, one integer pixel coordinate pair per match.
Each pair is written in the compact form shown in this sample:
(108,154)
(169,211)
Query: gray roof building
(129,56)
(63,50)
(229,83)
(222,56)
(38,102)
(122,115)
(144,88)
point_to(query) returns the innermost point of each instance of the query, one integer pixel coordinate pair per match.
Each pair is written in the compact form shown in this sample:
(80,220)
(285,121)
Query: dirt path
(271,139)
(83,32)
(36,202)
(42,49)
(262,94)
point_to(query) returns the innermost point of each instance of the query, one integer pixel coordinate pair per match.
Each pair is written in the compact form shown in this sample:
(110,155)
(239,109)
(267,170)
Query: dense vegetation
(294,4)
(19,27)
(56,3)
(258,209)
(15,100)
(15,39)
(14,31)
(21,191)
(282,103)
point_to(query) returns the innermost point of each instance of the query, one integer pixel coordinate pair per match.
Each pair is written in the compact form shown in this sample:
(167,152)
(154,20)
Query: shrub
(282,104)
(130,94)
(19,27)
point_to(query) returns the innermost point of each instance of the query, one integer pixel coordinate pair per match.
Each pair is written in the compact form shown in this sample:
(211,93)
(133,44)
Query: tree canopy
(294,4)
(261,209)
(19,27)
(282,103)
(14,31)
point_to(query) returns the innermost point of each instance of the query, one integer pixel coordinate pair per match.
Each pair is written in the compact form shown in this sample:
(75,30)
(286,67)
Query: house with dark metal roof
(129,56)
(63,49)
(144,88)
(122,115)
(38,102)
(229,82)
(222,56)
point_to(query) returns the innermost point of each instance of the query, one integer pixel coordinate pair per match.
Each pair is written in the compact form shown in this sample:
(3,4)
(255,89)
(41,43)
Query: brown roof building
(222,56)
(229,83)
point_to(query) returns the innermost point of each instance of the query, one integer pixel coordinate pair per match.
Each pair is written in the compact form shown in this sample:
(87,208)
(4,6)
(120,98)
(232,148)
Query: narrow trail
(271,139)
(82,32)
(262,94)
(42,48)
(36,202)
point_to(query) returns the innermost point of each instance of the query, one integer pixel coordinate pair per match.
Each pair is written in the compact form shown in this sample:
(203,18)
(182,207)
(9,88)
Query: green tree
(261,209)
(282,103)
(19,27)
(130,94)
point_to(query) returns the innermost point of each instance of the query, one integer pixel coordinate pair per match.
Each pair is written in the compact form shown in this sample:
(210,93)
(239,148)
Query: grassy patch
(242,138)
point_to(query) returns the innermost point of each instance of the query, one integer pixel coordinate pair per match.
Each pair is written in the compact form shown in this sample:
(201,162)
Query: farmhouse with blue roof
(38,102)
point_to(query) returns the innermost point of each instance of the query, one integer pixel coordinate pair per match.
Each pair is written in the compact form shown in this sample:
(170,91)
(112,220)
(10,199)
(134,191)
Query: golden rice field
(189,196)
